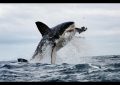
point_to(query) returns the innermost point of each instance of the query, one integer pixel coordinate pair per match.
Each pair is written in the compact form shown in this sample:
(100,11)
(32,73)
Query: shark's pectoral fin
(53,55)
(43,28)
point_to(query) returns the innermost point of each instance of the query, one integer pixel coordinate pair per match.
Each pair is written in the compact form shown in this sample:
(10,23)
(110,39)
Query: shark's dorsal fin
(43,28)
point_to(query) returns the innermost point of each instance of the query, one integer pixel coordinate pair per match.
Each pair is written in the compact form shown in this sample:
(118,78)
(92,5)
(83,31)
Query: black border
(59,1)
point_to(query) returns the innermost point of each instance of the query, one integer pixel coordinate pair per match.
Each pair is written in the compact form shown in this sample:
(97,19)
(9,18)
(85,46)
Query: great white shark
(53,39)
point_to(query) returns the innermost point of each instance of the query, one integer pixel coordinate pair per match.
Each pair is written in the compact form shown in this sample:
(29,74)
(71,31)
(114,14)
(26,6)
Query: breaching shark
(53,39)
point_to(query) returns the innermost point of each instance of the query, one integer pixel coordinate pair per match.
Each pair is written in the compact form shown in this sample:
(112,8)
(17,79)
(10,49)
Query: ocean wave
(13,71)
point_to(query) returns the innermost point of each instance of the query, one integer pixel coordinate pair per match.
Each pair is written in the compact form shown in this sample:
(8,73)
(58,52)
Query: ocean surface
(100,69)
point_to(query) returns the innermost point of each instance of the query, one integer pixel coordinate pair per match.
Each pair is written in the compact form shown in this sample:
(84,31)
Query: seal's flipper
(43,28)
(22,60)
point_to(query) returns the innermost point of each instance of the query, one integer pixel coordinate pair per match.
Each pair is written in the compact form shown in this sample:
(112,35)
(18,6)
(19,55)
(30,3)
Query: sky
(19,35)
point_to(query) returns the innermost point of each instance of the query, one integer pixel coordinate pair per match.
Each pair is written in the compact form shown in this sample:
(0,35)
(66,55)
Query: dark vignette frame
(58,1)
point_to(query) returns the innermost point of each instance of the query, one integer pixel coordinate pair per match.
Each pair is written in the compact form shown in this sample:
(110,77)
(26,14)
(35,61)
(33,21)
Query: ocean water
(101,69)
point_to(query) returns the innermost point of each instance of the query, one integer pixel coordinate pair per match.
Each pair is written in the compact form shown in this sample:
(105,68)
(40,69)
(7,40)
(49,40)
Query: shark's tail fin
(43,28)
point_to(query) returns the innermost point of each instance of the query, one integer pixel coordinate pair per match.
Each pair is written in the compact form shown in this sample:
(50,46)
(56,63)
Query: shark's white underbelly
(65,38)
